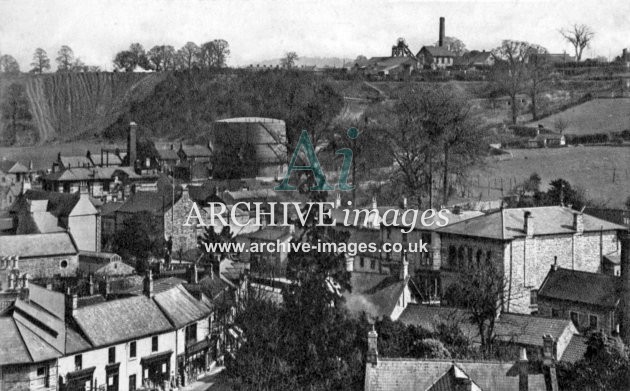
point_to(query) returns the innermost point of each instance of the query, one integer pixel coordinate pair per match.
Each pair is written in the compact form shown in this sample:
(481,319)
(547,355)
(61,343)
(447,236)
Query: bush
(432,348)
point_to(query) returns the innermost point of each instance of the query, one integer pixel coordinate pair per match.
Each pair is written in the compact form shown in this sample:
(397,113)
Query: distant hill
(320,62)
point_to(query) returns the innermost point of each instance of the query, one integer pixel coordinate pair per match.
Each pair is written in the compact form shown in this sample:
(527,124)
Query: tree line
(212,54)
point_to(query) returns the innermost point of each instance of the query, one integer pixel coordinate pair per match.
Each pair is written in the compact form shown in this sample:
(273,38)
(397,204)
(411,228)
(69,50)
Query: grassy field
(591,168)
(596,116)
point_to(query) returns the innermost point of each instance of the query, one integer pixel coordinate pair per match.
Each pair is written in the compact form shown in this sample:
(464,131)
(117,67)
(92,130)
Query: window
(575,318)
(154,344)
(555,313)
(42,374)
(63,264)
(41,371)
(389,232)
(592,321)
(132,349)
(78,362)
(111,355)
(132,383)
(361,262)
(191,333)
(372,264)
(533,297)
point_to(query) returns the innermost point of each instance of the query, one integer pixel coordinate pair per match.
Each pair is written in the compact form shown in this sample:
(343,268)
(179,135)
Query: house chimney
(131,143)
(625,291)
(578,222)
(441,39)
(372,354)
(90,285)
(554,265)
(549,362)
(72,303)
(404,267)
(404,203)
(193,275)
(349,263)
(523,371)
(374,204)
(148,284)
(338,201)
(528,224)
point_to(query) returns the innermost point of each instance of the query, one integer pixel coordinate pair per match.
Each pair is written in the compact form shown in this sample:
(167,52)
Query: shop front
(156,369)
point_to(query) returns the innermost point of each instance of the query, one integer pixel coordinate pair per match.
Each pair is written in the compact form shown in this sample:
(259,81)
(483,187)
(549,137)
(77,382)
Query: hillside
(595,116)
(70,106)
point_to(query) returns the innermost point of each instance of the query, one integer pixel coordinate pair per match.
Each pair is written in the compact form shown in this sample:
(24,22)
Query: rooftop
(48,244)
(508,224)
(582,287)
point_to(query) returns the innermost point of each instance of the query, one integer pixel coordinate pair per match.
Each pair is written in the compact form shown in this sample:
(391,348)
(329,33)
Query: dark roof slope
(180,307)
(148,201)
(437,51)
(121,320)
(508,224)
(582,287)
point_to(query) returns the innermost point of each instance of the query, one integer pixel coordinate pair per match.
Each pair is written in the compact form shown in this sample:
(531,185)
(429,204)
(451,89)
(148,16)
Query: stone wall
(48,267)
(606,318)
(38,376)
(184,238)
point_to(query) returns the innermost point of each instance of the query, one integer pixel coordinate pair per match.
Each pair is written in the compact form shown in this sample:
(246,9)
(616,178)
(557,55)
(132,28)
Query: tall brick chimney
(441,38)
(578,222)
(625,290)
(131,143)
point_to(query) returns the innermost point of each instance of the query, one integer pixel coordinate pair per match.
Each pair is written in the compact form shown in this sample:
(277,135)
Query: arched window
(479,256)
(488,257)
(469,263)
(461,257)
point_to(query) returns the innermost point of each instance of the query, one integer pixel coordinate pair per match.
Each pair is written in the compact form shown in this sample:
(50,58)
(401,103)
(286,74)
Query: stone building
(38,211)
(523,242)
(590,300)
(38,255)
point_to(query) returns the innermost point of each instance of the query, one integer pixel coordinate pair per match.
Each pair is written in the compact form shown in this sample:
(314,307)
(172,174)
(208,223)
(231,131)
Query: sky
(259,30)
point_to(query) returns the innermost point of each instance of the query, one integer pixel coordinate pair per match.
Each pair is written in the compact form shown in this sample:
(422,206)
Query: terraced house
(56,341)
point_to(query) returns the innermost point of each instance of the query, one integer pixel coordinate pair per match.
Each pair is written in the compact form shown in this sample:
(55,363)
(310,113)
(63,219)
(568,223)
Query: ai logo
(320,178)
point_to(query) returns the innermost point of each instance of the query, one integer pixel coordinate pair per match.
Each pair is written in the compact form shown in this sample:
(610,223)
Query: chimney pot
(523,371)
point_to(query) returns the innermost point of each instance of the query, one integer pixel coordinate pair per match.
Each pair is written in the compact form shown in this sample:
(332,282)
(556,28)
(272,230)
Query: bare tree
(510,71)
(289,60)
(482,290)
(187,55)
(65,59)
(8,64)
(580,36)
(214,54)
(560,125)
(454,45)
(162,57)
(538,75)
(41,62)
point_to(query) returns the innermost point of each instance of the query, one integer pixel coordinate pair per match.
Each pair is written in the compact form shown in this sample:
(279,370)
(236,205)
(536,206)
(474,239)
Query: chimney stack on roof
(523,371)
(148,284)
(193,274)
(578,222)
(131,144)
(349,263)
(91,285)
(72,303)
(549,362)
(372,354)
(528,224)
(441,38)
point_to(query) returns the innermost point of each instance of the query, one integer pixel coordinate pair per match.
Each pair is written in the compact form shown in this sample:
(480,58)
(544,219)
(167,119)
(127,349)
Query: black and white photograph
(318,195)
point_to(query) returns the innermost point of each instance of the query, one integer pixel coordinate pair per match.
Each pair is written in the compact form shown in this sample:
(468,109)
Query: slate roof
(214,285)
(180,307)
(148,201)
(75,161)
(269,234)
(508,224)
(110,159)
(12,167)
(575,350)
(168,154)
(437,51)
(375,294)
(423,375)
(581,287)
(109,208)
(48,244)
(121,320)
(196,150)
(13,349)
(59,204)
